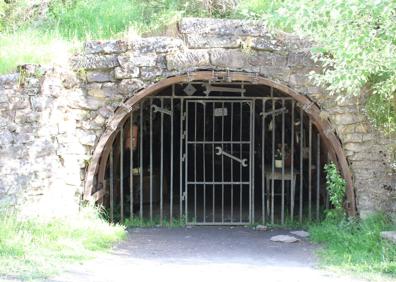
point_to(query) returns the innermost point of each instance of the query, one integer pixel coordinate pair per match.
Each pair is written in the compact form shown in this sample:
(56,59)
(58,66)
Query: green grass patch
(35,248)
(137,222)
(356,245)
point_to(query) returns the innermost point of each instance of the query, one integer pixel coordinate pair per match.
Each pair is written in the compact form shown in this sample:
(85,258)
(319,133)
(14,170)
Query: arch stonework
(102,149)
(54,126)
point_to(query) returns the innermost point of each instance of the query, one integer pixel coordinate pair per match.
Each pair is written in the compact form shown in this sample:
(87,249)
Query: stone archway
(102,149)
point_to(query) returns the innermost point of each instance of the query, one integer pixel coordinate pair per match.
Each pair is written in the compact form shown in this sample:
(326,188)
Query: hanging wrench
(221,152)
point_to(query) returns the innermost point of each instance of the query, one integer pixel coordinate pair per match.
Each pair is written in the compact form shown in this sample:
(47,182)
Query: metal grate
(221,154)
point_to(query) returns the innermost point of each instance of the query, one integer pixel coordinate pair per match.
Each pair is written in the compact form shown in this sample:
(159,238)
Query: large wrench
(221,152)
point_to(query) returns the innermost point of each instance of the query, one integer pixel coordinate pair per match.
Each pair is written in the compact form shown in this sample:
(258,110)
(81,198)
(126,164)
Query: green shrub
(335,186)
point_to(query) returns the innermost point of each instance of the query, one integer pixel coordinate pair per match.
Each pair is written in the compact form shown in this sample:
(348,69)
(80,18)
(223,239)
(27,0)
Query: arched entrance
(215,148)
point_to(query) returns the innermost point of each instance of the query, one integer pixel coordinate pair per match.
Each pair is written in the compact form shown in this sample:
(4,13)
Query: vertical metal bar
(283,166)
(122,174)
(273,157)
(240,167)
(213,164)
(111,185)
(203,162)
(318,168)
(292,175)
(252,136)
(195,161)
(222,164)
(131,137)
(171,161)
(141,160)
(263,162)
(162,165)
(186,164)
(151,161)
(181,160)
(232,165)
(301,162)
(310,172)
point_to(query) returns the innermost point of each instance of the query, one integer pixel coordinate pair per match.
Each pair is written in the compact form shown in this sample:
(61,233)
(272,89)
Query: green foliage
(356,45)
(356,245)
(137,222)
(37,248)
(335,186)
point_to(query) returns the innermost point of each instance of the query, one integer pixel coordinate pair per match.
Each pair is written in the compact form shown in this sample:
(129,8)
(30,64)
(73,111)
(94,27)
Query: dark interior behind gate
(211,153)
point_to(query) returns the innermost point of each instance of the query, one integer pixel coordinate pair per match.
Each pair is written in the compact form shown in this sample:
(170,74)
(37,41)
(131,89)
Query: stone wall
(51,118)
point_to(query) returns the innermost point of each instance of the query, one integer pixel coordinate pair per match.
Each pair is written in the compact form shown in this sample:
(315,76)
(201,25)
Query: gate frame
(103,147)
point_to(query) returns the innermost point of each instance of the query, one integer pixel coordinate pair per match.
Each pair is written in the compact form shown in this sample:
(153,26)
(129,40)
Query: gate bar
(171,162)
(317,175)
(131,165)
(232,163)
(263,162)
(181,161)
(302,139)
(141,161)
(195,162)
(151,160)
(122,174)
(203,162)
(283,165)
(310,172)
(252,146)
(222,164)
(292,182)
(240,167)
(162,165)
(213,163)
(273,158)
(111,185)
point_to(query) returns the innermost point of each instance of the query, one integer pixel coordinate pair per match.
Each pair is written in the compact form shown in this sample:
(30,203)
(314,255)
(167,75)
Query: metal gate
(207,154)
(218,161)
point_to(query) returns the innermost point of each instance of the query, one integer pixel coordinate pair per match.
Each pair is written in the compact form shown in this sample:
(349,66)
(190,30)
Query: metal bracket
(221,152)
(306,107)
(125,107)
(275,112)
(161,110)
(183,157)
(210,88)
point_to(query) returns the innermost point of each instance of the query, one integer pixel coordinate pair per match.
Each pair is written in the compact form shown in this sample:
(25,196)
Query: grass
(137,222)
(71,22)
(356,245)
(34,249)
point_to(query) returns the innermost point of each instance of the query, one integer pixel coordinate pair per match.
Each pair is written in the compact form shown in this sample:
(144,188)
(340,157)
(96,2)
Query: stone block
(99,76)
(265,43)
(128,71)
(90,62)
(187,59)
(222,27)
(105,47)
(302,59)
(229,58)
(130,86)
(77,100)
(130,60)
(158,44)
(202,41)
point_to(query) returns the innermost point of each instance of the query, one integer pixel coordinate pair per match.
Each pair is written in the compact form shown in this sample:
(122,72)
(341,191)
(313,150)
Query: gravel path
(202,254)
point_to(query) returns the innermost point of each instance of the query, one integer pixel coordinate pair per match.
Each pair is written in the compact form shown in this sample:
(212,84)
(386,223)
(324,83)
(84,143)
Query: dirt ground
(203,254)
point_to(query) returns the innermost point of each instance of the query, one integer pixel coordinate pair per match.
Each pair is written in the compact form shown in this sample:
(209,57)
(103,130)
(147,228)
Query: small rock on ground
(300,233)
(389,235)
(261,228)
(284,239)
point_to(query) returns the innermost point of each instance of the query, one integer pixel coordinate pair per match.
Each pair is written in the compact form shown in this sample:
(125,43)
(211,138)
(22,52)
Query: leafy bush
(335,186)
